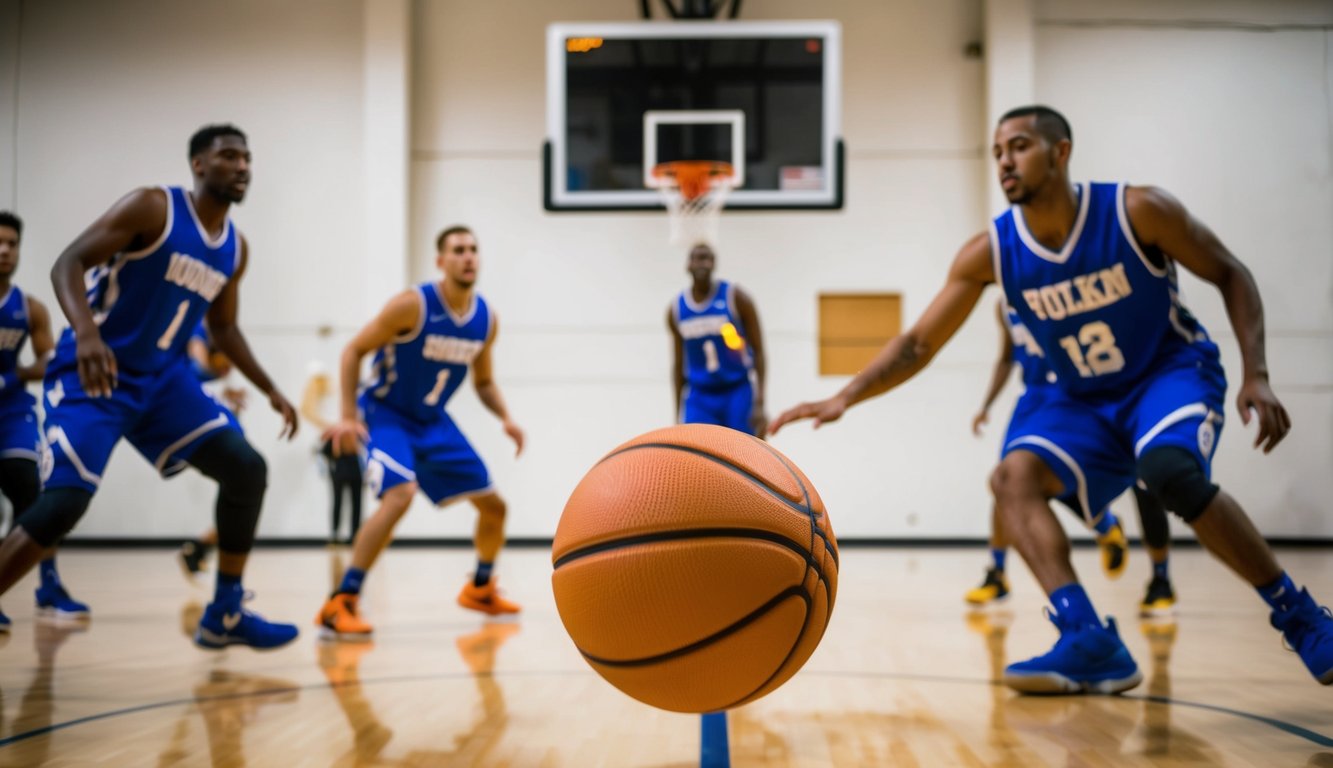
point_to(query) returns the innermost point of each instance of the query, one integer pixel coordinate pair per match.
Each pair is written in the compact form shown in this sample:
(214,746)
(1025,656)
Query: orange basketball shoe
(485,599)
(338,619)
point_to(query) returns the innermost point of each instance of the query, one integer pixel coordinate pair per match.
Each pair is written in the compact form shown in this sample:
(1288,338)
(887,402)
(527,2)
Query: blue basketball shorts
(19,437)
(1093,445)
(436,456)
(165,415)
(729,406)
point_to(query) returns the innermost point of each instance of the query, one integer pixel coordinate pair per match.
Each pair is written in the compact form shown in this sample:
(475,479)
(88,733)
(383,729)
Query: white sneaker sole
(1053,683)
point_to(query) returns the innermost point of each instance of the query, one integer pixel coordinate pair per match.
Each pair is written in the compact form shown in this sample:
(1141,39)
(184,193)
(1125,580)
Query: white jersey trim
(19,453)
(1175,417)
(703,305)
(1068,461)
(468,314)
(5,299)
(411,335)
(447,500)
(199,225)
(217,422)
(1071,242)
(388,461)
(1123,216)
(57,436)
(994,236)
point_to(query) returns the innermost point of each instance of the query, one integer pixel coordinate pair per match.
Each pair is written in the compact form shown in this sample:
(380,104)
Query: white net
(694,204)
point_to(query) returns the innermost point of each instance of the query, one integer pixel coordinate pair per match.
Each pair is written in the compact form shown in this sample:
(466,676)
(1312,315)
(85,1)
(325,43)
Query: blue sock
(47,572)
(1106,523)
(228,589)
(352,580)
(1072,603)
(997,555)
(1281,594)
(483,576)
(1159,570)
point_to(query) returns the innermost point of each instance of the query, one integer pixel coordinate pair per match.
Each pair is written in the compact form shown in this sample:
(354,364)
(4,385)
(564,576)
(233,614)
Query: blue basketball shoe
(1308,629)
(5,624)
(1089,658)
(54,602)
(226,623)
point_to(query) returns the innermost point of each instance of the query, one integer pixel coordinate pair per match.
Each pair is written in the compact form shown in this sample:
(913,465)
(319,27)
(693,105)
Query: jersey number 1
(711,362)
(433,397)
(1102,355)
(174,328)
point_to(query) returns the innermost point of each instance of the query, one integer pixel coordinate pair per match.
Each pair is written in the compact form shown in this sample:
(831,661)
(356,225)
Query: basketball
(695,568)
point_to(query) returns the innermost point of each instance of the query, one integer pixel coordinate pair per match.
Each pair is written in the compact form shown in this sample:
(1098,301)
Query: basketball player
(425,340)
(24,318)
(1017,346)
(718,369)
(157,261)
(1090,269)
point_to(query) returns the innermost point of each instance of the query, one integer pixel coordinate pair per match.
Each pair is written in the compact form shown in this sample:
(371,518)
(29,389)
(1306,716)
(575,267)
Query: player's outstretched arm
(229,340)
(39,335)
(754,336)
(135,222)
(398,318)
(677,360)
(905,355)
(1004,365)
(483,378)
(1160,221)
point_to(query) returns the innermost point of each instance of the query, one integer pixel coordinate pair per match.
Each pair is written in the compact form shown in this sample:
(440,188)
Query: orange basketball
(695,568)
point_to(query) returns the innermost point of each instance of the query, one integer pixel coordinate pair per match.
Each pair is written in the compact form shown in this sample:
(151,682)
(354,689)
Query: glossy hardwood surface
(902,677)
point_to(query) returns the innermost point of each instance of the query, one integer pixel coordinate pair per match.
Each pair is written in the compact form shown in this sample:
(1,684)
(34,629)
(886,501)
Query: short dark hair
(11,220)
(204,137)
(1050,124)
(456,229)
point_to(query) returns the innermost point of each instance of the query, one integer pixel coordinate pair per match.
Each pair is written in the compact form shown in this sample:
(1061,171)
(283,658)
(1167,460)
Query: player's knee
(491,505)
(54,514)
(21,483)
(397,499)
(247,475)
(1175,477)
(1016,476)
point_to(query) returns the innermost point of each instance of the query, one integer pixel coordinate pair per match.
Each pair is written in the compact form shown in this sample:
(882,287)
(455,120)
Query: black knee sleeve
(20,483)
(242,477)
(1152,519)
(54,514)
(1174,476)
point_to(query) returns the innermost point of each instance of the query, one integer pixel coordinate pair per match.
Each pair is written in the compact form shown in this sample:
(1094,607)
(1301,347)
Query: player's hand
(344,436)
(235,397)
(1274,423)
(980,420)
(822,411)
(759,421)
(288,413)
(515,434)
(97,365)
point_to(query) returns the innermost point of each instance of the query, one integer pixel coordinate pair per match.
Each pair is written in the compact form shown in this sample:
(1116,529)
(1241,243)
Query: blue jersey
(418,373)
(716,354)
(1027,354)
(13,332)
(148,302)
(1100,309)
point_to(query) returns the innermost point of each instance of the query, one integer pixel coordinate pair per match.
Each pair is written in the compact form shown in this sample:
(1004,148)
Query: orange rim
(693,177)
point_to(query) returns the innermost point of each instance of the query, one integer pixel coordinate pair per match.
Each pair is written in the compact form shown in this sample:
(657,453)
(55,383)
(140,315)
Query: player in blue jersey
(718,369)
(424,342)
(24,318)
(155,263)
(1139,395)
(1018,347)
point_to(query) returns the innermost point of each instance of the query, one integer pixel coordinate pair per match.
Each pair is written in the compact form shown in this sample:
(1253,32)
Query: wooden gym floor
(903,676)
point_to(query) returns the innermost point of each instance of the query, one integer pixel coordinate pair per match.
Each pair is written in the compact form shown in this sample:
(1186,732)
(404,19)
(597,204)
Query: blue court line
(1281,725)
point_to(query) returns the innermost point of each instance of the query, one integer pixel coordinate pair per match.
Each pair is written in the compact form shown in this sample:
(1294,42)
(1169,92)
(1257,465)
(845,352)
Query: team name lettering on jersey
(11,338)
(1094,291)
(704,325)
(451,349)
(196,276)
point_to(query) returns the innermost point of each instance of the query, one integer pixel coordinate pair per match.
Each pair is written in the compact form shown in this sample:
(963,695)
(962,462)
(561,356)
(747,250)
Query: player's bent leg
(1022,485)
(38,530)
(340,616)
(994,587)
(242,477)
(1159,599)
(481,593)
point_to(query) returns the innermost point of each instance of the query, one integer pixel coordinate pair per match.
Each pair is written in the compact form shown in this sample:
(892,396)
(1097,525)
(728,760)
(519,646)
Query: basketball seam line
(796,590)
(693,533)
(804,510)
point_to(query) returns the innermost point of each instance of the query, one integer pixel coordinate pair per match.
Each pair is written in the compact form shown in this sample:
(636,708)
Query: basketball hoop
(694,192)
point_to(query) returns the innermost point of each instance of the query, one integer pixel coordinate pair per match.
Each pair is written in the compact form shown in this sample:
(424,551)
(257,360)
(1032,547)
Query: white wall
(105,102)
